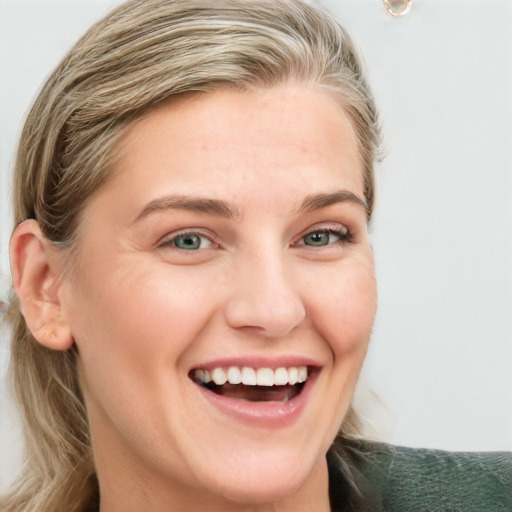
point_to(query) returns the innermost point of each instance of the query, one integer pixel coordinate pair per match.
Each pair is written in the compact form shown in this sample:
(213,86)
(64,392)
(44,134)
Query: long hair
(144,53)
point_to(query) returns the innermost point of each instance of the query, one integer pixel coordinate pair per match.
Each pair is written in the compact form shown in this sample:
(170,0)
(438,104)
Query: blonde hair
(144,53)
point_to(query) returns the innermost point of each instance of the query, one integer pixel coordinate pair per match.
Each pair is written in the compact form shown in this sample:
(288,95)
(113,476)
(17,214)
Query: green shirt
(397,479)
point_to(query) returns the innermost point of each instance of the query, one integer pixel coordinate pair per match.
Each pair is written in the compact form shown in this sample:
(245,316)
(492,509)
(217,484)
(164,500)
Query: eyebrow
(206,205)
(224,209)
(318,201)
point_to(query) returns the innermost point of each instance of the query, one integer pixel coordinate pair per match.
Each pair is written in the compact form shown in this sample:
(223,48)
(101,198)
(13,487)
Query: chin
(264,479)
(261,490)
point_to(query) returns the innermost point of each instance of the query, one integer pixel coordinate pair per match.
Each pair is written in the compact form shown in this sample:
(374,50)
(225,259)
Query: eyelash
(342,232)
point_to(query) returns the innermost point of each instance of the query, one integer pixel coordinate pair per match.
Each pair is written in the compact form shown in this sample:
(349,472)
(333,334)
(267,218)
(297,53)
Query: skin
(144,312)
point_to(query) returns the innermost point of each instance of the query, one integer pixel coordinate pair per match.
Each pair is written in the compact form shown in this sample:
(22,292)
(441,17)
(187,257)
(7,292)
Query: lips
(266,394)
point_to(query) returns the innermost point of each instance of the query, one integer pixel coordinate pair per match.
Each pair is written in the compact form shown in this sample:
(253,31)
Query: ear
(36,268)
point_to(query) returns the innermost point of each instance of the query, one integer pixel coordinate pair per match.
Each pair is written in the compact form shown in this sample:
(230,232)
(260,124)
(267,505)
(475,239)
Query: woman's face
(231,242)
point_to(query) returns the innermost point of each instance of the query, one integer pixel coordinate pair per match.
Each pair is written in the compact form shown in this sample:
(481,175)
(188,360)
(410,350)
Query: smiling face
(231,243)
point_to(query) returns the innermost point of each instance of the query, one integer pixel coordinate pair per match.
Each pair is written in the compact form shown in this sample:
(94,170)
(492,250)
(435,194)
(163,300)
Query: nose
(264,299)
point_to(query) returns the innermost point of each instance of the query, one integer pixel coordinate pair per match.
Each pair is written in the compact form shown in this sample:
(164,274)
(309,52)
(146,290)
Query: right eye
(188,242)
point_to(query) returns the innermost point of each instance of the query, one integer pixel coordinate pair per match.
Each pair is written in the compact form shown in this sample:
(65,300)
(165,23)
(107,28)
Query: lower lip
(264,414)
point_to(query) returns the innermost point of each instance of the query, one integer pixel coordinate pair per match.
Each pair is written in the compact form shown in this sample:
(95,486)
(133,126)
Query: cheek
(132,330)
(128,324)
(346,309)
(145,299)
(345,312)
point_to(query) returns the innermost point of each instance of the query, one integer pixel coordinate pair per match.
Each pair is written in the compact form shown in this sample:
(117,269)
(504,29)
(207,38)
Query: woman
(196,287)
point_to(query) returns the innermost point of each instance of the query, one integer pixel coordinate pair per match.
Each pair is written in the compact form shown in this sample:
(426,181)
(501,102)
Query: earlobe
(36,269)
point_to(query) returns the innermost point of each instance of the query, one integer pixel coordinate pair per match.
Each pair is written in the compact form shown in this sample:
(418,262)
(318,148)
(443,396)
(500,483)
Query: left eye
(190,241)
(323,237)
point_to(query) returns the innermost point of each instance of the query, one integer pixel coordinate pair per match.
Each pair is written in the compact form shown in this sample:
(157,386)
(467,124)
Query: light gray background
(441,352)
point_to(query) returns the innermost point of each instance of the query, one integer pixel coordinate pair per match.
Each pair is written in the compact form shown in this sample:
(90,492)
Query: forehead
(274,143)
(308,121)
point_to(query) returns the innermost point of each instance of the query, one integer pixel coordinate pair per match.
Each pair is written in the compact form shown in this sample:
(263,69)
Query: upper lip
(259,361)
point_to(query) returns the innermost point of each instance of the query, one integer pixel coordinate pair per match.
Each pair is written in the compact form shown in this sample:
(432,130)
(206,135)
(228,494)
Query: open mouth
(254,384)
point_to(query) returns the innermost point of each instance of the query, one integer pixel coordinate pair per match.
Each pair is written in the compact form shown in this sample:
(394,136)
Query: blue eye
(190,242)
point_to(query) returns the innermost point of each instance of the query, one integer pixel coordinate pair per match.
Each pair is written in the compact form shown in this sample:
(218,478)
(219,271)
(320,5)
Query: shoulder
(420,479)
(411,479)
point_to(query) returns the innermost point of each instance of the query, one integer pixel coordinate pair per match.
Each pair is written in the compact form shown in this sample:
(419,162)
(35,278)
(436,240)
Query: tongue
(257,393)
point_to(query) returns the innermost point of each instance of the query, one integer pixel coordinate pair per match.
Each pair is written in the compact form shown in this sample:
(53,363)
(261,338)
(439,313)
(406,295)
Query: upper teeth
(253,377)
